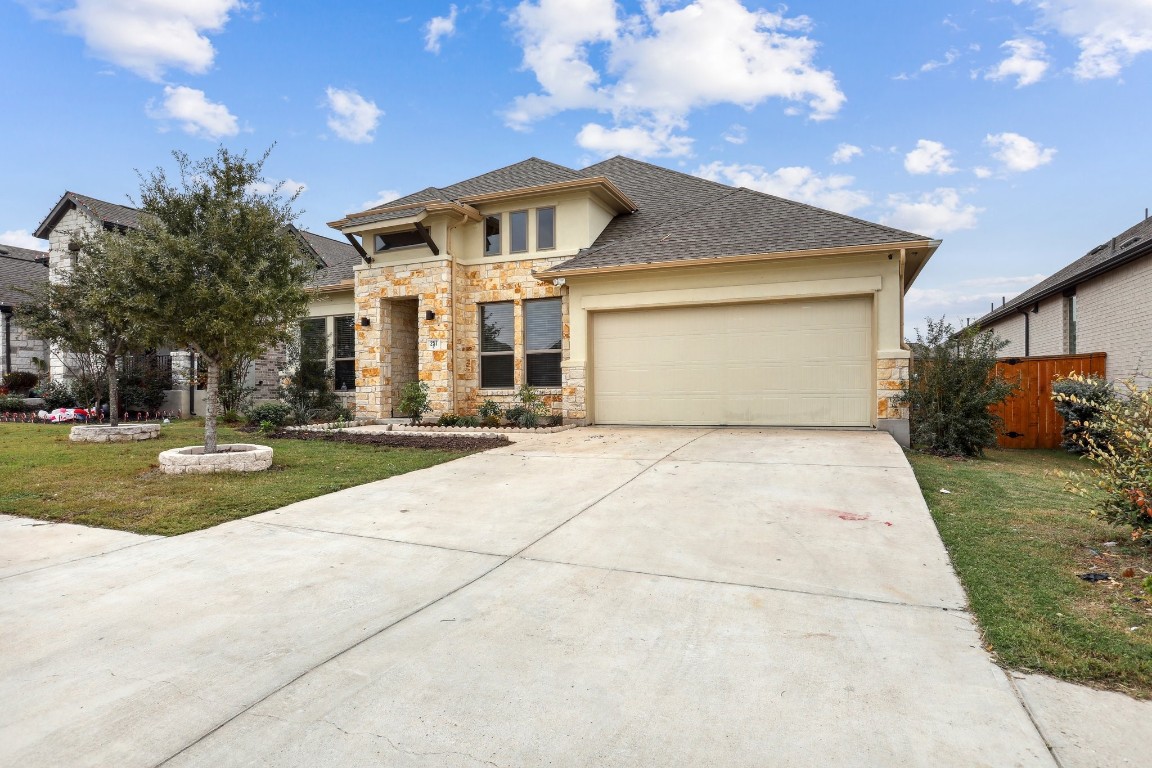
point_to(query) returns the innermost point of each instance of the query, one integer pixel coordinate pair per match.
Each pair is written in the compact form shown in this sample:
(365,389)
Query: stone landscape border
(429,430)
(123,433)
(230,457)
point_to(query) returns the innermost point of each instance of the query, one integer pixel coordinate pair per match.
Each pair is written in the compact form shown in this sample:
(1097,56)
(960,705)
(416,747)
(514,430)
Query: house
(329,310)
(628,293)
(1098,303)
(21,269)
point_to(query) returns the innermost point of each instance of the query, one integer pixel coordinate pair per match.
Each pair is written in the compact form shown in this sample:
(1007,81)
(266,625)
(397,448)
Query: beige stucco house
(1098,303)
(329,312)
(627,293)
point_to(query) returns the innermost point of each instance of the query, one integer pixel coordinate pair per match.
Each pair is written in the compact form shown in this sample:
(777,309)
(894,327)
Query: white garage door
(785,363)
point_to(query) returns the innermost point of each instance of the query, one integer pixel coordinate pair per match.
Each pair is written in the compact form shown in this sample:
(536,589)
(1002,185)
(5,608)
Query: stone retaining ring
(124,433)
(232,457)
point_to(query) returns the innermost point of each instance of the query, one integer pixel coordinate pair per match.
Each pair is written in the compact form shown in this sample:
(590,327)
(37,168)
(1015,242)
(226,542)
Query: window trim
(558,352)
(546,247)
(510,354)
(376,249)
(512,234)
(499,219)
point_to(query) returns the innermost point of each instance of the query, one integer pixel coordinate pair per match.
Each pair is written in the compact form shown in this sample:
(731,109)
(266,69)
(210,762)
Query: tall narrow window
(497,340)
(545,228)
(1070,318)
(518,232)
(491,235)
(543,338)
(314,341)
(344,354)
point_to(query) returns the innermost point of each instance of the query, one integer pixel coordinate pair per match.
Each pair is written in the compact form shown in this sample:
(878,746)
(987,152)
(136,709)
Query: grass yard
(1018,542)
(117,485)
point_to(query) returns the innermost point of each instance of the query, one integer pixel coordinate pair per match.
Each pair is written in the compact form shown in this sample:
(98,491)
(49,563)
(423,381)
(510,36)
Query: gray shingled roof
(339,259)
(682,217)
(19,271)
(1130,244)
(100,210)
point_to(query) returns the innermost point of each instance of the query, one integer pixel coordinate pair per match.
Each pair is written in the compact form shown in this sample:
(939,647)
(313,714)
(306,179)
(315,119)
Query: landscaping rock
(124,433)
(232,457)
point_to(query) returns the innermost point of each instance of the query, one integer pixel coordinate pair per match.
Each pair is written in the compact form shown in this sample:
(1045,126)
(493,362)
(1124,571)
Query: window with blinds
(497,340)
(313,340)
(543,339)
(344,353)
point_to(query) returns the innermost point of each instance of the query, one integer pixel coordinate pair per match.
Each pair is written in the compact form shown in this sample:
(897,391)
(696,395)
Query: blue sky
(1015,130)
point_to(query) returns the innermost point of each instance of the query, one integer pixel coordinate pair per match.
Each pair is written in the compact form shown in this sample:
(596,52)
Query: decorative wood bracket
(359,248)
(426,236)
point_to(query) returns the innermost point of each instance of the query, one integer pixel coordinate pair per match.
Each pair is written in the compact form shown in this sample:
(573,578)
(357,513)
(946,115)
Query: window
(313,340)
(497,337)
(344,354)
(543,335)
(545,228)
(1070,323)
(518,232)
(397,240)
(492,236)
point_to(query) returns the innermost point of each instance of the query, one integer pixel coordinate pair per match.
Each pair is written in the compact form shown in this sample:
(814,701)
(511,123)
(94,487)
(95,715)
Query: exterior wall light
(429,314)
(365,322)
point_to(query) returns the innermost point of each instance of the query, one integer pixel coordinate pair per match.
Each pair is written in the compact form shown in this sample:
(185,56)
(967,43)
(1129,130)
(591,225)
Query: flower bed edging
(481,430)
(230,457)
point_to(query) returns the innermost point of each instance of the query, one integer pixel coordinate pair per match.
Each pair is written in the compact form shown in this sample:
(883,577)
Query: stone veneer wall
(405,345)
(60,261)
(265,373)
(891,374)
(24,348)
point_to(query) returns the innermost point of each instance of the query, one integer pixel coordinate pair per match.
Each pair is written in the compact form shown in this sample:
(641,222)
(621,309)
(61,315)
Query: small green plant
(267,427)
(414,401)
(530,410)
(276,414)
(57,395)
(447,420)
(951,385)
(13,404)
(231,417)
(20,382)
(467,421)
(1078,400)
(1121,480)
(490,413)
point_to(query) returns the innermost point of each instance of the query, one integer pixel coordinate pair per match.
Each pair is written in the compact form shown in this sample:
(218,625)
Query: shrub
(142,388)
(1078,400)
(57,395)
(414,401)
(1122,459)
(234,392)
(20,382)
(951,385)
(13,404)
(276,414)
(490,413)
(530,410)
(467,421)
(447,420)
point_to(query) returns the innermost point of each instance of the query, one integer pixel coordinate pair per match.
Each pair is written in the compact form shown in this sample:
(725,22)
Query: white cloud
(1027,62)
(196,114)
(148,37)
(635,140)
(966,299)
(654,68)
(795,183)
(352,118)
(1017,152)
(982,172)
(736,134)
(439,27)
(844,153)
(932,213)
(288,188)
(929,157)
(383,197)
(1109,33)
(950,57)
(22,238)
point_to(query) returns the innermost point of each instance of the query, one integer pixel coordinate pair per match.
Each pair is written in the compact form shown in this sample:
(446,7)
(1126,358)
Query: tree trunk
(211,404)
(113,391)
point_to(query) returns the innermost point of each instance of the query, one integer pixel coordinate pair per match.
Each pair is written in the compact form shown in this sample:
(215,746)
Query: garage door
(793,363)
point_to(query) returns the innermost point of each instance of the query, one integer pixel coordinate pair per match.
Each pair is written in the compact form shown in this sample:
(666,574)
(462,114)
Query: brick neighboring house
(21,269)
(627,293)
(1098,303)
(330,286)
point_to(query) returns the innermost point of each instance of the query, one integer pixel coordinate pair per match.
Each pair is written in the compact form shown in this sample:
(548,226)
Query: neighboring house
(331,285)
(20,270)
(1098,303)
(627,293)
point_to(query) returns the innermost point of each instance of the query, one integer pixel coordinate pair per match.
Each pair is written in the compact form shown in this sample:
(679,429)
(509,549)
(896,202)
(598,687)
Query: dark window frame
(512,216)
(498,218)
(417,241)
(551,247)
(531,372)
(509,354)
(343,365)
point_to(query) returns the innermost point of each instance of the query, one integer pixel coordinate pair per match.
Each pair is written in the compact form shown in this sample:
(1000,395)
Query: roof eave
(612,193)
(350,224)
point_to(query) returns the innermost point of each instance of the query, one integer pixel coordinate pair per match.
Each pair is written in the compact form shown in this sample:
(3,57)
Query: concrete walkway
(596,597)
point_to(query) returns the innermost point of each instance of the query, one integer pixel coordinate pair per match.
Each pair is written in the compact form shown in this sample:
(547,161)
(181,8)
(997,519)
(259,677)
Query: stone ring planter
(124,433)
(232,457)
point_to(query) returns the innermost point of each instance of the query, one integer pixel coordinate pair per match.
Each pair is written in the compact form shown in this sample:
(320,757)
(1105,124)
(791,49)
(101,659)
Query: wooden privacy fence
(1030,418)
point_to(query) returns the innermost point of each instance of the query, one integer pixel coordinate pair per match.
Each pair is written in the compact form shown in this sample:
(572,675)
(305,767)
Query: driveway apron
(595,597)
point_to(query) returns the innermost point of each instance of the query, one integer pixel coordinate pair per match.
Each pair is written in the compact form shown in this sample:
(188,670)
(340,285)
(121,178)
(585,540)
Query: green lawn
(45,476)
(1018,542)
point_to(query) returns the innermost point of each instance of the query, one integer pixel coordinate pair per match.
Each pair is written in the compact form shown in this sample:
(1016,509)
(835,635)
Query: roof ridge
(634,161)
(665,220)
(834,213)
(506,167)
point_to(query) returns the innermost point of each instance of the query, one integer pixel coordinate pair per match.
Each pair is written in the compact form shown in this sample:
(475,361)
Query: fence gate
(1030,418)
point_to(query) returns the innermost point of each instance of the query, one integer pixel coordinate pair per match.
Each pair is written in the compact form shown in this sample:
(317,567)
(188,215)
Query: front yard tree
(97,310)
(228,275)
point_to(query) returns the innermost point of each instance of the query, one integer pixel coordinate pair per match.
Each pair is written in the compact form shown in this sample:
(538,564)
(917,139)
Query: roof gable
(337,260)
(19,271)
(100,211)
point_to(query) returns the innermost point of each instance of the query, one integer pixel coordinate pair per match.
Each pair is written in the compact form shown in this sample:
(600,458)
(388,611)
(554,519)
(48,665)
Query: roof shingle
(19,271)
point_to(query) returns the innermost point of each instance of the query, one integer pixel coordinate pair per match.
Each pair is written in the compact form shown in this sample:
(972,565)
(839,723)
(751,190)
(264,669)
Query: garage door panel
(772,363)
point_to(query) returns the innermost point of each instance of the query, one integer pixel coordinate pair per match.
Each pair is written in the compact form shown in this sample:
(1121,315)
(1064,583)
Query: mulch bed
(465,443)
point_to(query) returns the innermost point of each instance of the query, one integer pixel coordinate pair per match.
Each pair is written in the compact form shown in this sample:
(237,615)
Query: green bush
(1121,480)
(447,420)
(275,414)
(20,382)
(530,411)
(414,401)
(1078,400)
(467,421)
(951,386)
(13,404)
(57,395)
(142,388)
(490,413)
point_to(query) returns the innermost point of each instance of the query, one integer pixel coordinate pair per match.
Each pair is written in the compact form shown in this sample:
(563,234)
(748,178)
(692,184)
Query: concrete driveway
(596,597)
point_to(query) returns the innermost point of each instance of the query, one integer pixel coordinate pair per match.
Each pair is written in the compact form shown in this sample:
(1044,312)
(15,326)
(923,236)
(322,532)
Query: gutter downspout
(6,310)
(1027,331)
